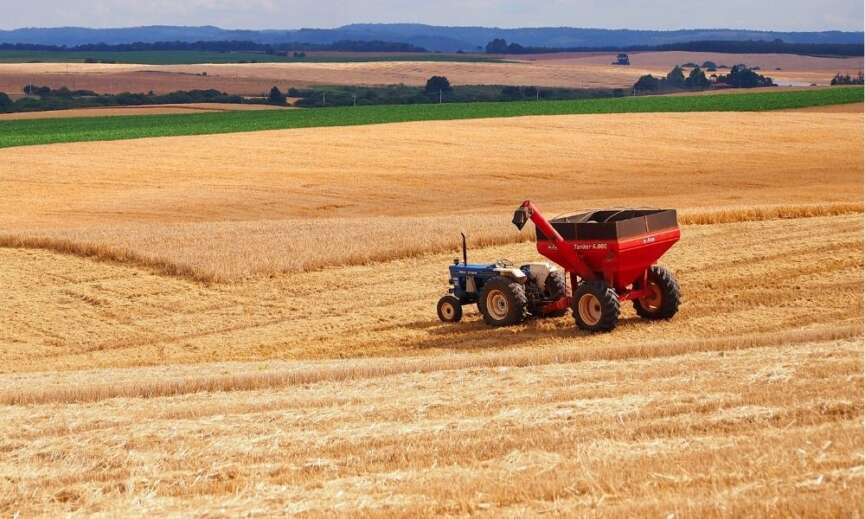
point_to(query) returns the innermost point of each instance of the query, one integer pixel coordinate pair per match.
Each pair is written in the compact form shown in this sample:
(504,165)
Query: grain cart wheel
(663,301)
(596,306)
(502,302)
(449,309)
(556,288)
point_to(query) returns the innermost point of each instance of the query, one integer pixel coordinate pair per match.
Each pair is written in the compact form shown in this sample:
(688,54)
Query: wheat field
(230,207)
(223,326)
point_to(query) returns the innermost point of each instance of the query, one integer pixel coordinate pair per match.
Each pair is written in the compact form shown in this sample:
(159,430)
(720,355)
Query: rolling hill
(435,38)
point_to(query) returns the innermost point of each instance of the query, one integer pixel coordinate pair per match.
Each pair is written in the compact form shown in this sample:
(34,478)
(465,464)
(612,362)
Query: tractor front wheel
(596,306)
(503,302)
(664,297)
(450,309)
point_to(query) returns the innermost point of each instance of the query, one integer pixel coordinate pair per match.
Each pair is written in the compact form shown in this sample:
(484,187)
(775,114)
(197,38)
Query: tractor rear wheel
(450,309)
(664,295)
(596,306)
(503,302)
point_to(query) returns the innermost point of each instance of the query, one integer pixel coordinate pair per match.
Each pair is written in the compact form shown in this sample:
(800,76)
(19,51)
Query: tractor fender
(511,273)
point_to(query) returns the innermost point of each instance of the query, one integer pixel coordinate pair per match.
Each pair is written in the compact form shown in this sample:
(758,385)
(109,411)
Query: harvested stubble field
(577,70)
(132,388)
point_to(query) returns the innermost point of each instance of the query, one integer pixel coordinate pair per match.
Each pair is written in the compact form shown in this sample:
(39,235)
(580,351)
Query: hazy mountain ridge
(437,38)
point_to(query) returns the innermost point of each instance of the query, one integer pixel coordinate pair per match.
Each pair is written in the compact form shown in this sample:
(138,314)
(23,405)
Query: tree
(514,92)
(437,84)
(516,48)
(676,77)
(276,97)
(497,46)
(5,102)
(697,79)
(35,90)
(741,76)
(847,79)
(647,83)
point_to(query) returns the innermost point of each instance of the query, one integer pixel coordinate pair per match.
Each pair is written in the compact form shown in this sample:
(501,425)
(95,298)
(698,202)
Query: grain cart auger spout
(609,256)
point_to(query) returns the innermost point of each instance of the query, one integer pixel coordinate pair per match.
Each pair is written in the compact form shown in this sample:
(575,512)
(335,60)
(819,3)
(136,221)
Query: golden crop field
(576,70)
(262,201)
(245,324)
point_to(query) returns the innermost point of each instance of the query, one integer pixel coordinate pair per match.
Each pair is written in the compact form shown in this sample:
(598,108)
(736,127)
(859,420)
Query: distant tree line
(41,98)
(500,46)
(847,79)
(223,46)
(437,89)
(740,76)
(674,80)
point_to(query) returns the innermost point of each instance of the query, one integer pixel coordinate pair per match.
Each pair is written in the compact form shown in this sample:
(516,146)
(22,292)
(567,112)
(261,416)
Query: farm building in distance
(622,59)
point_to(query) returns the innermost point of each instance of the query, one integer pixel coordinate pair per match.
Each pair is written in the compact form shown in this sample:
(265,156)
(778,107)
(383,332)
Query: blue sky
(797,15)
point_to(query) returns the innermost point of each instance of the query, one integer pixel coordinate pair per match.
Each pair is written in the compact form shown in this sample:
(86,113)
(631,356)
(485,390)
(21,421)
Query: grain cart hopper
(609,256)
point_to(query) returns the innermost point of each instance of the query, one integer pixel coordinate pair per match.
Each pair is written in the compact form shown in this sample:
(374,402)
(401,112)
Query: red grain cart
(610,257)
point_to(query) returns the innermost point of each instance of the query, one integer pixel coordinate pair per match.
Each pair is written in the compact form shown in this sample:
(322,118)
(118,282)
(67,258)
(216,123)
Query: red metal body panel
(557,249)
(619,262)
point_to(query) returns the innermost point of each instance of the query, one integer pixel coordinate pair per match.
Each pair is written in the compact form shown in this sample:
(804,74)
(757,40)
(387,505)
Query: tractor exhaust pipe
(465,250)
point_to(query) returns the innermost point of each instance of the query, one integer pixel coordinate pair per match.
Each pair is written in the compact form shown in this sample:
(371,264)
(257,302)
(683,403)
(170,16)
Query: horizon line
(494,27)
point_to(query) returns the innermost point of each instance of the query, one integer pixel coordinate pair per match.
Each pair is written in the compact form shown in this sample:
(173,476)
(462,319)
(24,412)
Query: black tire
(555,285)
(666,295)
(503,302)
(450,309)
(556,288)
(596,306)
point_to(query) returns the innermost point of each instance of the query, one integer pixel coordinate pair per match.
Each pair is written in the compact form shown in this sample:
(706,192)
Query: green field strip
(58,130)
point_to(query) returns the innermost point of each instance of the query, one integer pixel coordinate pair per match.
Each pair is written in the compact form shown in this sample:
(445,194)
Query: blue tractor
(505,294)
